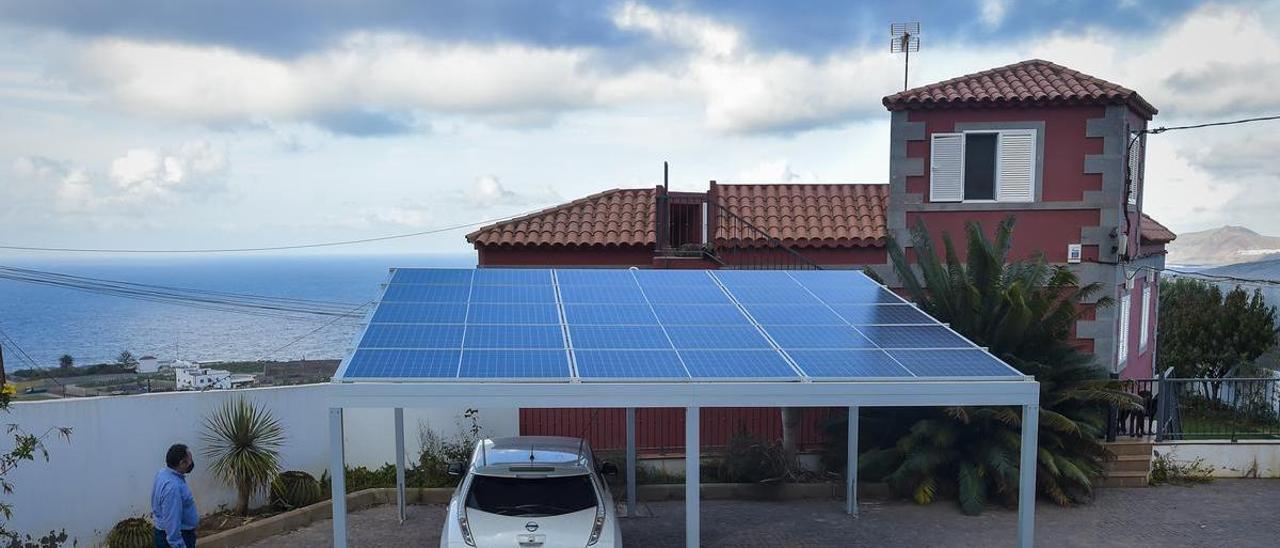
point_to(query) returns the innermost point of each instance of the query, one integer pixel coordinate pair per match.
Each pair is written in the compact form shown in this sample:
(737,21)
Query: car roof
(564,454)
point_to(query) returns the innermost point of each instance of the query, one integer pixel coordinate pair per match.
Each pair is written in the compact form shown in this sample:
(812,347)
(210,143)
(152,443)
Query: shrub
(751,460)
(132,533)
(1166,470)
(243,440)
(294,489)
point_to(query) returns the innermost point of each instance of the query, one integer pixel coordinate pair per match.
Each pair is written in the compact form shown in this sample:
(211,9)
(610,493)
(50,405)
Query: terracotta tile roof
(612,217)
(1153,232)
(810,215)
(1033,82)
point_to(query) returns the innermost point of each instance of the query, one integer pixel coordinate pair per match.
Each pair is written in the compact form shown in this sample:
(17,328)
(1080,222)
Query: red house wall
(565,256)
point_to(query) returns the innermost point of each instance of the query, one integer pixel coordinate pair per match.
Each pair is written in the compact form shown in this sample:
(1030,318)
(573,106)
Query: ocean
(47,322)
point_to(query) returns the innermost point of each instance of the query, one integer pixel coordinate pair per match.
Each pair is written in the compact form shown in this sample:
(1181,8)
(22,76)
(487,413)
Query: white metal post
(400,502)
(851,475)
(631,462)
(337,478)
(692,458)
(1027,476)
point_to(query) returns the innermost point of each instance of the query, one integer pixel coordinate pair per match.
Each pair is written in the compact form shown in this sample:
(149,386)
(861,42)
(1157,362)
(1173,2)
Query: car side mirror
(455,469)
(608,468)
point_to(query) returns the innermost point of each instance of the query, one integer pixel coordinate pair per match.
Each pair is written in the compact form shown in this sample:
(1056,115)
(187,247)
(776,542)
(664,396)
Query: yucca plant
(1022,311)
(243,442)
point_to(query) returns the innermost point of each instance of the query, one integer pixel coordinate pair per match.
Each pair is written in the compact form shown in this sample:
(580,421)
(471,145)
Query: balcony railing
(694,226)
(1175,409)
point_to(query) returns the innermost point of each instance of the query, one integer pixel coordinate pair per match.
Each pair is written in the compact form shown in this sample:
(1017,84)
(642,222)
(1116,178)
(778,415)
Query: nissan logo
(531,527)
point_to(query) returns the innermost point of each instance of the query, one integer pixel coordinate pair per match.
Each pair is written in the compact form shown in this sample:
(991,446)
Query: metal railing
(1175,409)
(692,225)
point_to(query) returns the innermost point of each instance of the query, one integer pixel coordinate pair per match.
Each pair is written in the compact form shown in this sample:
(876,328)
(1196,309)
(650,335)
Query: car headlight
(597,527)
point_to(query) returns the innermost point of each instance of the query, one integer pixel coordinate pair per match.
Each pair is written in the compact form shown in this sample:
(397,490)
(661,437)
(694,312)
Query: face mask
(191,466)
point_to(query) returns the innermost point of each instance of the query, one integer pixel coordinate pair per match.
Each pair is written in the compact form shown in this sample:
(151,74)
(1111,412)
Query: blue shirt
(173,506)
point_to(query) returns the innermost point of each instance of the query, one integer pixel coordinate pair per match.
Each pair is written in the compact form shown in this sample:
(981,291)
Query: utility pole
(4,377)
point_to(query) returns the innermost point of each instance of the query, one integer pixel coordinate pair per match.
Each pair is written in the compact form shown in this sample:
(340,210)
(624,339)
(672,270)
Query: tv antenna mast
(904,38)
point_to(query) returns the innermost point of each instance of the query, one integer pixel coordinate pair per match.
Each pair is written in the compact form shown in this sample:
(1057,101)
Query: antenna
(904,38)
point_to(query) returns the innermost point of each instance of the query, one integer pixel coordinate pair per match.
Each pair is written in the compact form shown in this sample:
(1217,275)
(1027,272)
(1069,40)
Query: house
(1058,149)
(200,378)
(148,364)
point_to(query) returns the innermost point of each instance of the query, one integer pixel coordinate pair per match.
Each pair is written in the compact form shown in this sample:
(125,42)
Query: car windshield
(531,497)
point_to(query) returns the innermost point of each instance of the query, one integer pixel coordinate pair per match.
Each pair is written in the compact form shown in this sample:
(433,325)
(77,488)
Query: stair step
(1126,479)
(1129,463)
(1131,448)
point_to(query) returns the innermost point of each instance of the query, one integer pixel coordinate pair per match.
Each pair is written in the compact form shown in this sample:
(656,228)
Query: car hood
(493,530)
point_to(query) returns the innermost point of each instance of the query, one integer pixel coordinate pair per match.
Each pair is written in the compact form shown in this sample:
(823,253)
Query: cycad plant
(243,442)
(1022,311)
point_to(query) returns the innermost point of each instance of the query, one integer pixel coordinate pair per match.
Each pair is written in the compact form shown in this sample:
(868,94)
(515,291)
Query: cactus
(294,489)
(132,533)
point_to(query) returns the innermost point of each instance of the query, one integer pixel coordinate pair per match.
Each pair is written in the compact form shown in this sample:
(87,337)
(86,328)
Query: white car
(532,492)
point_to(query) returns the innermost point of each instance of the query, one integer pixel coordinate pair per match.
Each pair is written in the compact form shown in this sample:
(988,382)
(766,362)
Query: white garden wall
(1252,459)
(104,473)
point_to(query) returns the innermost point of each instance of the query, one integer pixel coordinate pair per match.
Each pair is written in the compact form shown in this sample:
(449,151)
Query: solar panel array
(654,325)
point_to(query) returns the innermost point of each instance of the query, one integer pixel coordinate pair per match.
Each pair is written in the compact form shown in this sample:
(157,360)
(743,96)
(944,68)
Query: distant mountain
(1258,270)
(1222,246)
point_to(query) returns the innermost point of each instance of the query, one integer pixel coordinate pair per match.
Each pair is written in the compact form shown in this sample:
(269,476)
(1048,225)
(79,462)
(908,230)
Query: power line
(268,248)
(353,312)
(1162,129)
(12,344)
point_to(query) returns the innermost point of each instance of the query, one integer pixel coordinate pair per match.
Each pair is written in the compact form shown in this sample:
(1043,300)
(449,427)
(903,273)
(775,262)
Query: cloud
(774,171)
(488,192)
(993,12)
(139,178)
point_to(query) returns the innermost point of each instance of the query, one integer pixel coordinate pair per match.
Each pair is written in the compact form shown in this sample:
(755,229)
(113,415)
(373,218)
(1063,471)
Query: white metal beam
(1027,476)
(692,460)
(400,502)
(337,478)
(903,393)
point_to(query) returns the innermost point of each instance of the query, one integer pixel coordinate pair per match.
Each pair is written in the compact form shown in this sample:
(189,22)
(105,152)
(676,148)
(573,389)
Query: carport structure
(593,338)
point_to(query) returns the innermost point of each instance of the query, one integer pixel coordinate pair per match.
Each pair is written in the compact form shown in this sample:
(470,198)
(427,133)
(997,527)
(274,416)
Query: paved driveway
(1226,513)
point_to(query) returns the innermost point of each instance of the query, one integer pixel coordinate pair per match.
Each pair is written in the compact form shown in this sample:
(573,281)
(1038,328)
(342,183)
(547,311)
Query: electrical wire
(1160,130)
(12,344)
(12,247)
(330,323)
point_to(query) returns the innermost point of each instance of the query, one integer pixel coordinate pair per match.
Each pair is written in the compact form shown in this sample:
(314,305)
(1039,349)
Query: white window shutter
(946,175)
(1144,335)
(1016,163)
(1122,343)
(1135,170)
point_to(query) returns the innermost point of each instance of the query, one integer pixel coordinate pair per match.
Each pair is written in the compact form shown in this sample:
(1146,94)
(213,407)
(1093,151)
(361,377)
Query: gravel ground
(1235,513)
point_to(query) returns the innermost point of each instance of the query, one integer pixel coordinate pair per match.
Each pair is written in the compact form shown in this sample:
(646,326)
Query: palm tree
(243,440)
(1022,312)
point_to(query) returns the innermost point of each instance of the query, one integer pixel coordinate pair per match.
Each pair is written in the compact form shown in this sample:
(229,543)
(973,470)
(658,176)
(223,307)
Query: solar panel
(416,293)
(609,314)
(793,314)
(716,336)
(601,294)
(419,313)
(848,364)
(882,314)
(618,337)
(613,325)
(514,364)
(503,313)
(629,364)
(914,336)
(700,314)
(737,364)
(447,276)
(513,294)
(512,276)
(412,336)
(375,363)
(952,363)
(686,294)
(590,276)
(806,336)
(514,336)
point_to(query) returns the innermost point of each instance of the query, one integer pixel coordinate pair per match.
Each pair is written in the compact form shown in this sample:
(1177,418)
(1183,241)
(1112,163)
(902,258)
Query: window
(983,166)
(1122,343)
(531,497)
(1145,334)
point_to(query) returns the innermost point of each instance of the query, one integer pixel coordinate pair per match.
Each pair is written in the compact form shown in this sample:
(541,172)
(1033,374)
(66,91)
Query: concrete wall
(1255,459)
(104,473)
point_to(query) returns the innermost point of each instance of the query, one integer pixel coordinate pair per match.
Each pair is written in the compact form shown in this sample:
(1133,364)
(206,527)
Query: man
(171,502)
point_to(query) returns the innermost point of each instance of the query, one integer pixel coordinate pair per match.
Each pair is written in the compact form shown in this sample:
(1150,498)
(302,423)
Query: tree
(1206,334)
(1022,312)
(126,360)
(243,440)
(66,362)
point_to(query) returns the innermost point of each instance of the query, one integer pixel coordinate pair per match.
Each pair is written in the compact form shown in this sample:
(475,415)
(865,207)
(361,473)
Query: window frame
(1144,337)
(998,164)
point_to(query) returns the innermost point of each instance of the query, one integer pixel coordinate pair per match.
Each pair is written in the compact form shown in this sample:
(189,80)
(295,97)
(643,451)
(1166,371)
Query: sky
(148,124)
